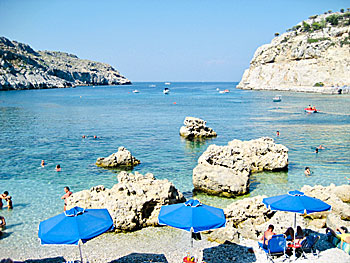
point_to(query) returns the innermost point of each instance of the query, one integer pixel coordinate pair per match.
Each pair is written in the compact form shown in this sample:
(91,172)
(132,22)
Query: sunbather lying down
(344,235)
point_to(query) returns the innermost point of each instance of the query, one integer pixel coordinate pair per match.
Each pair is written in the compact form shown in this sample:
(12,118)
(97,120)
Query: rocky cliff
(21,67)
(313,56)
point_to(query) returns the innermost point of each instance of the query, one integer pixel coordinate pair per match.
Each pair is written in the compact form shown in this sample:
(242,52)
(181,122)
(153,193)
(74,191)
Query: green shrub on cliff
(314,40)
(316,26)
(333,19)
(306,27)
(319,84)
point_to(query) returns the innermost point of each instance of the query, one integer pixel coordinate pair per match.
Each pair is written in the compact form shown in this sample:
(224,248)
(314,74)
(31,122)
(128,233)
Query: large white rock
(225,170)
(122,158)
(196,128)
(133,203)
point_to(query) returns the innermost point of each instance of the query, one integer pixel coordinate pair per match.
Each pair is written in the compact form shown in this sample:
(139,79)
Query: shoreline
(307,89)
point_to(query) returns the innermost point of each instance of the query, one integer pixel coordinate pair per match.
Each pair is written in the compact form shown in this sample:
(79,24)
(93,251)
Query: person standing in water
(307,171)
(67,194)
(8,199)
(58,168)
(42,163)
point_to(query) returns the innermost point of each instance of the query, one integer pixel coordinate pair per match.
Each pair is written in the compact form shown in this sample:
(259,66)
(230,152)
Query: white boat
(136,91)
(224,91)
(277,98)
(167,83)
(166,91)
(152,86)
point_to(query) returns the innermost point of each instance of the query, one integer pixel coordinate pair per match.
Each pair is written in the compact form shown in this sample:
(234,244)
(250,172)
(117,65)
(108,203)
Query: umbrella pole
(295,229)
(191,237)
(81,255)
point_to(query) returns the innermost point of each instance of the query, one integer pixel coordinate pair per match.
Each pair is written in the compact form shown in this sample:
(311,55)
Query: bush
(316,26)
(342,10)
(314,40)
(319,84)
(306,27)
(277,34)
(313,17)
(333,19)
(329,11)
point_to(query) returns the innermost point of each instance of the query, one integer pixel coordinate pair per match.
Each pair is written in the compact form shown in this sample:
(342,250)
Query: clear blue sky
(158,40)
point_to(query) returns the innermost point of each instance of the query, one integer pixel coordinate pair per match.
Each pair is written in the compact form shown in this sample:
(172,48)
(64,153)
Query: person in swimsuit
(8,199)
(67,194)
(307,171)
(342,234)
(42,163)
(2,224)
(268,235)
(58,168)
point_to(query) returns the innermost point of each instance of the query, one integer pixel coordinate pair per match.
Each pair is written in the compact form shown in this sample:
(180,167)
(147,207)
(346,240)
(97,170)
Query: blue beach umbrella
(297,202)
(74,225)
(192,216)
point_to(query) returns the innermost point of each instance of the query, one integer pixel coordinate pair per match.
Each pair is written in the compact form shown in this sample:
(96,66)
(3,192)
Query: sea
(48,125)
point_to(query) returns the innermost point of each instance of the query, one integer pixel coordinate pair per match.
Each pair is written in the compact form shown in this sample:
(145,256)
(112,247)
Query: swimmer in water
(8,199)
(83,136)
(316,150)
(307,171)
(58,168)
(95,137)
(321,147)
(278,133)
(42,163)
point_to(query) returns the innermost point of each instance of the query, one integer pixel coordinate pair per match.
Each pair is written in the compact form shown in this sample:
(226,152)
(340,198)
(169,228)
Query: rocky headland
(196,128)
(121,159)
(133,203)
(313,56)
(225,170)
(21,67)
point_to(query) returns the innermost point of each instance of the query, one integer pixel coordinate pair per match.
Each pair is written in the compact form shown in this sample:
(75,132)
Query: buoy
(174,102)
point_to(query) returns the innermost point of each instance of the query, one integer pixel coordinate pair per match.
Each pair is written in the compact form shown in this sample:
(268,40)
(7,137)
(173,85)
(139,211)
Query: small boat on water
(311,110)
(224,91)
(277,98)
(166,91)
(136,91)
(152,86)
(167,83)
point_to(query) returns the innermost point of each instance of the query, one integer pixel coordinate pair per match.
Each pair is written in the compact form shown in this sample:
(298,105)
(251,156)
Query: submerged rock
(196,128)
(122,158)
(133,203)
(225,170)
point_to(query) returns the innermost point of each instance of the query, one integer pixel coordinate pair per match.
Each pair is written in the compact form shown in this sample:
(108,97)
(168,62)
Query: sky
(158,40)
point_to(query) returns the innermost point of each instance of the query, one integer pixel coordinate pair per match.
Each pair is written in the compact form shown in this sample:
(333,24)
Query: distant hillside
(21,67)
(313,56)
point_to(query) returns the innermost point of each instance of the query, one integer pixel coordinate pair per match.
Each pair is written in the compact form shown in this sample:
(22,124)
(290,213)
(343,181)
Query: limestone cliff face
(314,56)
(23,68)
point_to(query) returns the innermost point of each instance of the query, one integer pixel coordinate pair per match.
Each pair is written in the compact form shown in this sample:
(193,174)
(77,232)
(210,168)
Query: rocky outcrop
(120,159)
(225,170)
(133,203)
(314,56)
(21,67)
(249,218)
(196,128)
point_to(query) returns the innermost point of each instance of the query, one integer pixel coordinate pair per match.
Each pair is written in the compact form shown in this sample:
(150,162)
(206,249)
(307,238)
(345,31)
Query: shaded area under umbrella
(296,202)
(74,226)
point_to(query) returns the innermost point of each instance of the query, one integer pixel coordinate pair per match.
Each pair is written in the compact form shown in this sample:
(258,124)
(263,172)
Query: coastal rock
(313,56)
(225,170)
(133,203)
(196,128)
(122,158)
(24,68)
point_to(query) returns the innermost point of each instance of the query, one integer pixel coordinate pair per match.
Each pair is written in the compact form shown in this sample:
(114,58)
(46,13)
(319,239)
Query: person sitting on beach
(2,224)
(58,168)
(343,234)
(267,235)
(42,163)
(289,234)
(307,171)
(67,194)
(8,199)
(299,235)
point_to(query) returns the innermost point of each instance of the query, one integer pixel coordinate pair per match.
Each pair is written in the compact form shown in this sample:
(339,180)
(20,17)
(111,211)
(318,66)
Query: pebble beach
(162,244)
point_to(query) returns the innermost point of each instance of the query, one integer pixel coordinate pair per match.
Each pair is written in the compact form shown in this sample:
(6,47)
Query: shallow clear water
(48,124)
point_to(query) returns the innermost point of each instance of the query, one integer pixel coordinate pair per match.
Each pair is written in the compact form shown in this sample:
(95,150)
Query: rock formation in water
(313,56)
(120,159)
(196,128)
(249,217)
(225,170)
(133,203)
(21,67)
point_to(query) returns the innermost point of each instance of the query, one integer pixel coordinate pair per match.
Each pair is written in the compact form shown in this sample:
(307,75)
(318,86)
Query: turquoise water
(48,124)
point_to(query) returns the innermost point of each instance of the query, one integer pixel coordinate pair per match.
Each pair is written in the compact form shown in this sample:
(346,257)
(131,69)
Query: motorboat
(224,91)
(277,98)
(166,91)
(167,83)
(136,91)
(152,86)
(311,110)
